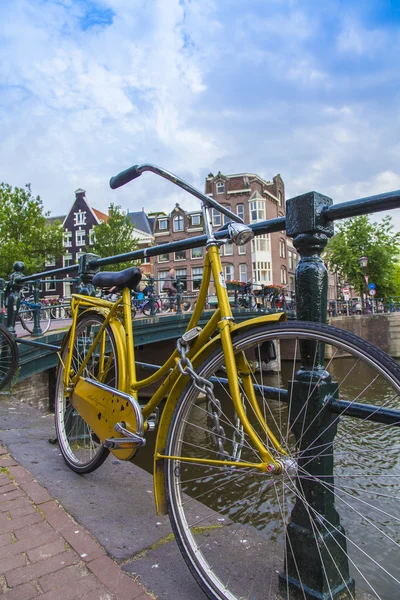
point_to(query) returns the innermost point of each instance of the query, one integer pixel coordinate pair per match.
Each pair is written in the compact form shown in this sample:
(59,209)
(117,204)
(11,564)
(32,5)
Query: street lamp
(363,262)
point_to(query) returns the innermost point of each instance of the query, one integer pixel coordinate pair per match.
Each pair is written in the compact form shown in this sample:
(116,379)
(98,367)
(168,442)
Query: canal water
(366,476)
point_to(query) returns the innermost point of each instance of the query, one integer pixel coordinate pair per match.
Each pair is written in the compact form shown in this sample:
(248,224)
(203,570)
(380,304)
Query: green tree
(359,237)
(114,236)
(25,233)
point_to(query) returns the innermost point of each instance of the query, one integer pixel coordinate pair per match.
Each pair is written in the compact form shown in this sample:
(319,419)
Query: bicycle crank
(114,417)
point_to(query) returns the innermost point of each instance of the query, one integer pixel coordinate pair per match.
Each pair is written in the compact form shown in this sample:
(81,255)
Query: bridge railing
(309,221)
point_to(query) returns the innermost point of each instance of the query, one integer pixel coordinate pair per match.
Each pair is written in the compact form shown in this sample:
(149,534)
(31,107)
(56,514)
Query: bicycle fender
(175,394)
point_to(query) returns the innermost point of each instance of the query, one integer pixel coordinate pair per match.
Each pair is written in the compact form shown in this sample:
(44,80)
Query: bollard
(305,555)
(179,290)
(37,330)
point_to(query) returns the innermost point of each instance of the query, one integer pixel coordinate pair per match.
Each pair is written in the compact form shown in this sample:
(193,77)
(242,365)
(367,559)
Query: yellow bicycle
(236,451)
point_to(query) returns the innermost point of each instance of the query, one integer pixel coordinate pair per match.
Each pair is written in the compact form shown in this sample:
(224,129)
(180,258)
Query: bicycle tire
(8,356)
(231,524)
(79,446)
(57,312)
(27,319)
(186,305)
(146,308)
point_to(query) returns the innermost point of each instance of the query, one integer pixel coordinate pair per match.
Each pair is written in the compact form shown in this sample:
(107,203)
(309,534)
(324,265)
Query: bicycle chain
(213,408)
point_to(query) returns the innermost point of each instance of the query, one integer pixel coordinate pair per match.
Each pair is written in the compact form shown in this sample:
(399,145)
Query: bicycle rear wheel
(8,356)
(81,449)
(239,528)
(27,318)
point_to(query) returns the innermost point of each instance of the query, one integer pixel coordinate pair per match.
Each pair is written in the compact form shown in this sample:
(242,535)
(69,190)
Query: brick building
(268,259)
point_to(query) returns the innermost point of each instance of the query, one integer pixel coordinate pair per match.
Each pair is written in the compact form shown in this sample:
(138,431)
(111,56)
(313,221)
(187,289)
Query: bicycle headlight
(240,233)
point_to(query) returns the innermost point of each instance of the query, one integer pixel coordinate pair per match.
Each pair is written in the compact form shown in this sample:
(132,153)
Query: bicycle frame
(119,317)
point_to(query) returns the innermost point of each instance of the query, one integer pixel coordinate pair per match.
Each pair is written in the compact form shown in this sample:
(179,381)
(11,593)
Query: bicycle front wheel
(8,356)
(330,519)
(81,449)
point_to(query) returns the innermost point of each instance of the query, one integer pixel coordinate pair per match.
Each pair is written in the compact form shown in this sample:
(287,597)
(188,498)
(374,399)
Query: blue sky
(308,89)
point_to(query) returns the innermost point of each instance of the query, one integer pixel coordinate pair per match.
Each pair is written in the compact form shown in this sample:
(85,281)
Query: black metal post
(179,289)
(86,271)
(2,309)
(315,546)
(37,330)
(12,295)
(151,296)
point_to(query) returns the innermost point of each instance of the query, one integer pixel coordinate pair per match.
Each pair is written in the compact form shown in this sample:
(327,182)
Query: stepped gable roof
(141,221)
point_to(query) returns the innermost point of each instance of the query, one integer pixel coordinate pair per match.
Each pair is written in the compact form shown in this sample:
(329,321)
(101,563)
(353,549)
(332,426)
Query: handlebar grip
(124,177)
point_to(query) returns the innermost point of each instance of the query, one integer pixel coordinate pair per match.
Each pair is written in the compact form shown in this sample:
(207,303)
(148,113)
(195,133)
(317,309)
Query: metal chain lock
(214,410)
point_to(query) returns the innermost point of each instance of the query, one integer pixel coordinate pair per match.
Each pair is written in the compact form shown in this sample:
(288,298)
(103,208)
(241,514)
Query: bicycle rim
(232,524)
(80,447)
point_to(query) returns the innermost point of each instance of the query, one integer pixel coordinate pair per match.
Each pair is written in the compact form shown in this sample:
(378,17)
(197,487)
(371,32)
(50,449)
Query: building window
(283,275)
(220,187)
(80,218)
(180,255)
(257,210)
(242,249)
(67,239)
(228,249)
(146,260)
(197,276)
(50,285)
(163,258)
(79,255)
(50,261)
(292,284)
(225,217)
(243,272)
(178,223)
(161,276)
(196,253)
(280,198)
(262,271)
(240,211)
(260,243)
(290,257)
(80,237)
(216,217)
(282,248)
(162,223)
(181,275)
(195,219)
(67,260)
(92,237)
(229,272)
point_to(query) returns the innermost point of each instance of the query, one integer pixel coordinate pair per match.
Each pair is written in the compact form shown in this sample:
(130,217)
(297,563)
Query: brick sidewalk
(44,553)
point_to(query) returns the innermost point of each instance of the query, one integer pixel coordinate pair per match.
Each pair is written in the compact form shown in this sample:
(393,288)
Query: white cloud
(196,87)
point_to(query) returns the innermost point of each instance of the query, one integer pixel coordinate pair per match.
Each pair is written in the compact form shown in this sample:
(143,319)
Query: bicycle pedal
(130,439)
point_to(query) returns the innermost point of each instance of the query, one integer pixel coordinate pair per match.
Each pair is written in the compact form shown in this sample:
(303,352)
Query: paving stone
(28,543)
(36,492)
(73,589)
(20,474)
(15,524)
(17,493)
(63,576)
(33,571)
(12,563)
(47,550)
(25,591)
(111,576)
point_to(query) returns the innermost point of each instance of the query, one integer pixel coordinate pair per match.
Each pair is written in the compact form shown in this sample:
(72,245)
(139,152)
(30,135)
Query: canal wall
(383,330)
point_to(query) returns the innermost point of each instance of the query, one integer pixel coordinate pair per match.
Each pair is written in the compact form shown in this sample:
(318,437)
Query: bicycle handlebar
(124,177)
(135,171)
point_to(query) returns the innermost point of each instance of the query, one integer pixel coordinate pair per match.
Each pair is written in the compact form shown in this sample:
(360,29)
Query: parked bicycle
(143,305)
(170,303)
(26,314)
(8,356)
(249,427)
